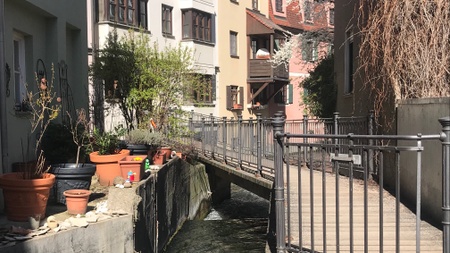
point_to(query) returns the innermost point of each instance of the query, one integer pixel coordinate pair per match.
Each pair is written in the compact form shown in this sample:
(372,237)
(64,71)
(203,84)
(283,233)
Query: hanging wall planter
(77,201)
(25,198)
(70,176)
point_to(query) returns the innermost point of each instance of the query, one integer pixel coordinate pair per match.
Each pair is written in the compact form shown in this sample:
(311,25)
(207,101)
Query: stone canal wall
(177,192)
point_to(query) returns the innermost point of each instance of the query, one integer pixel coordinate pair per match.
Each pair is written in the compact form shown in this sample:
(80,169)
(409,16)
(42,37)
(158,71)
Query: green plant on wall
(319,90)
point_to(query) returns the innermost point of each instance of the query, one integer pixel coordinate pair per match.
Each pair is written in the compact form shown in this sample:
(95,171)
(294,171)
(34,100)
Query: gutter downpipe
(3,127)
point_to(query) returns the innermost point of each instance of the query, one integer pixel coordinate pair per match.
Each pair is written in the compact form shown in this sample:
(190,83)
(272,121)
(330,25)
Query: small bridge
(326,180)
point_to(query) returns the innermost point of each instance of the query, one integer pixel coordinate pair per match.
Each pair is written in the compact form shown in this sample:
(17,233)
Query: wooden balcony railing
(261,68)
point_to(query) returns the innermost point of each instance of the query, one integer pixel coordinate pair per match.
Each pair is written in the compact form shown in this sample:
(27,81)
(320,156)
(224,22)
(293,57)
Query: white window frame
(19,68)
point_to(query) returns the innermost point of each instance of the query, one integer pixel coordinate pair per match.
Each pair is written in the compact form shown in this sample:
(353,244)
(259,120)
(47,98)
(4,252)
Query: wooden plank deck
(430,237)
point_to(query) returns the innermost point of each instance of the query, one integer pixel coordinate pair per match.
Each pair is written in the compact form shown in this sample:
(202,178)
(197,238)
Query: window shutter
(291,93)
(241,96)
(315,51)
(213,88)
(229,98)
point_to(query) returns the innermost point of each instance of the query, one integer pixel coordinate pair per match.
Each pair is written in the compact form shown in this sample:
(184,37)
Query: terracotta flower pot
(167,152)
(159,158)
(25,198)
(130,164)
(77,200)
(108,166)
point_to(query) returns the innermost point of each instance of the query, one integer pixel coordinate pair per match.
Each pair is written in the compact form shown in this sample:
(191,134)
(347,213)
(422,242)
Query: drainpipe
(3,128)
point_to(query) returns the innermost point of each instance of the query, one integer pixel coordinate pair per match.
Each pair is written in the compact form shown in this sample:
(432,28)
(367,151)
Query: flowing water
(236,225)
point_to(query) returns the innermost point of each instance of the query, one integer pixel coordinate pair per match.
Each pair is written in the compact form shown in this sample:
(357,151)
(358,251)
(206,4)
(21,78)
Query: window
(255,4)
(207,95)
(309,50)
(348,67)
(128,12)
(142,10)
(166,20)
(279,5)
(285,95)
(331,16)
(235,97)
(19,72)
(233,44)
(197,25)
(122,11)
(308,11)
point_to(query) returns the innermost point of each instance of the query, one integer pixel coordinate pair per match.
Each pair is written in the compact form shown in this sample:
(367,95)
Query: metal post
(203,135)
(251,135)
(445,139)
(335,131)
(258,144)
(224,136)
(213,134)
(191,127)
(240,141)
(305,140)
(336,125)
(370,151)
(278,129)
(3,92)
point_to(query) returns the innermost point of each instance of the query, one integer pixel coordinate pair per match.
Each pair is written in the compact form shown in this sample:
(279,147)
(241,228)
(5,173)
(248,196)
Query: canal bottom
(236,225)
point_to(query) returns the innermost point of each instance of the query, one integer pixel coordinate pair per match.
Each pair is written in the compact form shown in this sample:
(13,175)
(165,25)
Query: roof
(260,19)
(293,19)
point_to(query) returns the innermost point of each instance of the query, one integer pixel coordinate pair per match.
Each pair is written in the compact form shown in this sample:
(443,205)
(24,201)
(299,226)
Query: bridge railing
(312,232)
(248,143)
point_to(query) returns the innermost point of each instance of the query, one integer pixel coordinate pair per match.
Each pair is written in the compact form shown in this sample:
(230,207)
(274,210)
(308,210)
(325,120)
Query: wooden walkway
(301,221)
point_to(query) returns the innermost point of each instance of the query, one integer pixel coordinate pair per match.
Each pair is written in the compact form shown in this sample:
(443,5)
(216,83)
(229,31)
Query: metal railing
(291,195)
(248,143)
(270,147)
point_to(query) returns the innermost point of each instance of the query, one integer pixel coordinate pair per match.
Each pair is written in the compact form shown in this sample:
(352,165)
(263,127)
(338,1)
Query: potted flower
(26,193)
(73,175)
(107,154)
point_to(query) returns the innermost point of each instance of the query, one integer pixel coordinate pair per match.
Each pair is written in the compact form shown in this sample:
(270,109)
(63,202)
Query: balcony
(261,70)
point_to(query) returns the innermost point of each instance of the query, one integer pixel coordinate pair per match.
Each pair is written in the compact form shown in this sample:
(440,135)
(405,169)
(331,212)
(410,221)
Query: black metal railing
(314,232)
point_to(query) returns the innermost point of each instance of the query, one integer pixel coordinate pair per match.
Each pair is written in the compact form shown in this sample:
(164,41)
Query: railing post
(251,135)
(213,135)
(445,139)
(278,129)
(191,127)
(305,140)
(240,141)
(370,152)
(203,135)
(335,131)
(336,125)
(258,143)
(224,136)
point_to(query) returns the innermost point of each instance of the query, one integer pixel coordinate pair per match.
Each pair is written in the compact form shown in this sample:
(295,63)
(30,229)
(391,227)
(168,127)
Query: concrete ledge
(113,235)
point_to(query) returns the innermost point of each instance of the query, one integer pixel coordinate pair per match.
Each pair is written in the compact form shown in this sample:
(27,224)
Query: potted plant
(73,175)
(107,154)
(26,193)
(149,142)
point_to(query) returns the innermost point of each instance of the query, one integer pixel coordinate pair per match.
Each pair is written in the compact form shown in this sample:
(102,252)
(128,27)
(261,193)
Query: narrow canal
(236,225)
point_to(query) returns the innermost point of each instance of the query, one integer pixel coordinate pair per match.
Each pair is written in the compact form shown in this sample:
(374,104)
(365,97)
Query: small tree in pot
(21,188)
(74,175)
